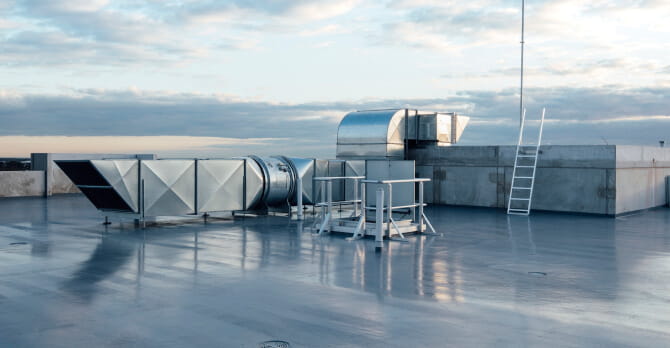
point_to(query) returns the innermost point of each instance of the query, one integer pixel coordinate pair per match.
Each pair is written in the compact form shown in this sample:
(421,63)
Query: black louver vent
(93,185)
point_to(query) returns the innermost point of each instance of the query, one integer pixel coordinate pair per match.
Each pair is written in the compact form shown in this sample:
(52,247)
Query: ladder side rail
(516,158)
(539,139)
(537,154)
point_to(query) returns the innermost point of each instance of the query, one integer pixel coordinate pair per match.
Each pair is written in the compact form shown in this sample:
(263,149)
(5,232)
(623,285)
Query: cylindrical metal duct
(279,180)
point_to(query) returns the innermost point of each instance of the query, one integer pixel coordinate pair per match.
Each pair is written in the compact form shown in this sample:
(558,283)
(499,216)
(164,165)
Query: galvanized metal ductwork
(388,134)
(183,187)
(196,186)
(280,179)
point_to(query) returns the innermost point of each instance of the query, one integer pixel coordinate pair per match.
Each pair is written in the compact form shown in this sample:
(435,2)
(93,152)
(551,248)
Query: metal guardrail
(326,214)
(389,207)
(327,193)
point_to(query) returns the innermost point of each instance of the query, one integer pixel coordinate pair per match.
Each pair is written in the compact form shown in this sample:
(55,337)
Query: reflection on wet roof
(553,279)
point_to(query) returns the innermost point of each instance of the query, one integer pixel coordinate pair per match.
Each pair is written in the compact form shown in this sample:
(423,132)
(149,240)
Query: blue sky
(276,76)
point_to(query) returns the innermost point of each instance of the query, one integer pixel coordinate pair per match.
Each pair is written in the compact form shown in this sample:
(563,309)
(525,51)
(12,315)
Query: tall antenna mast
(523,20)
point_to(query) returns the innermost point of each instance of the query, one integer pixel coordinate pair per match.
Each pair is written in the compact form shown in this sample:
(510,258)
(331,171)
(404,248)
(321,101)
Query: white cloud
(275,47)
(563,37)
(323,30)
(316,10)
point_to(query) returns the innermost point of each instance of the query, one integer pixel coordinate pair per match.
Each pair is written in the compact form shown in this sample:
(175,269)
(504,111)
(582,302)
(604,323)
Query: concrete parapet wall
(640,177)
(21,183)
(597,179)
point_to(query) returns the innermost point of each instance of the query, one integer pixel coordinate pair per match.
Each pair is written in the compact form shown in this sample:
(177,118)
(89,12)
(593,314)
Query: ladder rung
(523,177)
(518,209)
(520,199)
(521,212)
(527,155)
(525,166)
(521,188)
(527,145)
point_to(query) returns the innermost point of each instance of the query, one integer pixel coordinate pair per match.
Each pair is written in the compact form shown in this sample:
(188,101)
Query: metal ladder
(523,176)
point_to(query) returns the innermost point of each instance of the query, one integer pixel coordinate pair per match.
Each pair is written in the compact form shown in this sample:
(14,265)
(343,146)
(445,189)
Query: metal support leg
(430,226)
(142,216)
(323,199)
(355,197)
(329,195)
(402,237)
(329,215)
(379,220)
(363,205)
(326,222)
(389,211)
(301,215)
(359,232)
(420,206)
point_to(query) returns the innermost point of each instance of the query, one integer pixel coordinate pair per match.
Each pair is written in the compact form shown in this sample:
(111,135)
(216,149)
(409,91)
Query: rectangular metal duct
(336,168)
(169,187)
(403,194)
(253,183)
(320,170)
(220,185)
(122,175)
(304,169)
(352,168)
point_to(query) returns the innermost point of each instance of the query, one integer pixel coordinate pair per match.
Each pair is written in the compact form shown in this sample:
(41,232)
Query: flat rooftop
(548,280)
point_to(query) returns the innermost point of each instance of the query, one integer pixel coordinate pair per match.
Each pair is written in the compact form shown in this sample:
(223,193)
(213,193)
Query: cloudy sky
(275,76)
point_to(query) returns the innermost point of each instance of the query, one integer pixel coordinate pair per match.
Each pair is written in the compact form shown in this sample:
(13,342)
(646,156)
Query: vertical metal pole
(244,187)
(420,206)
(195,184)
(355,197)
(323,191)
(299,199)
(523,23)
(406,141)
(379,219)
(330,201)
(144,223)
(323,197)
(139,184)
(390,210)
(363,205)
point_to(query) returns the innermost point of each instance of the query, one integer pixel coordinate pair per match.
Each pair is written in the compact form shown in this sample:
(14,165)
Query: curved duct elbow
(387,134)
(372,134)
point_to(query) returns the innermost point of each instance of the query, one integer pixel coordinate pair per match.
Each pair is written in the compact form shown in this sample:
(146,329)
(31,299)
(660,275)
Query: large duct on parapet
(390,133)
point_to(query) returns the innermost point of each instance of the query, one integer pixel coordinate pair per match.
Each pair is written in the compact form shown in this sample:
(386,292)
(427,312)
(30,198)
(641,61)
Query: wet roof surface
(565,280)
